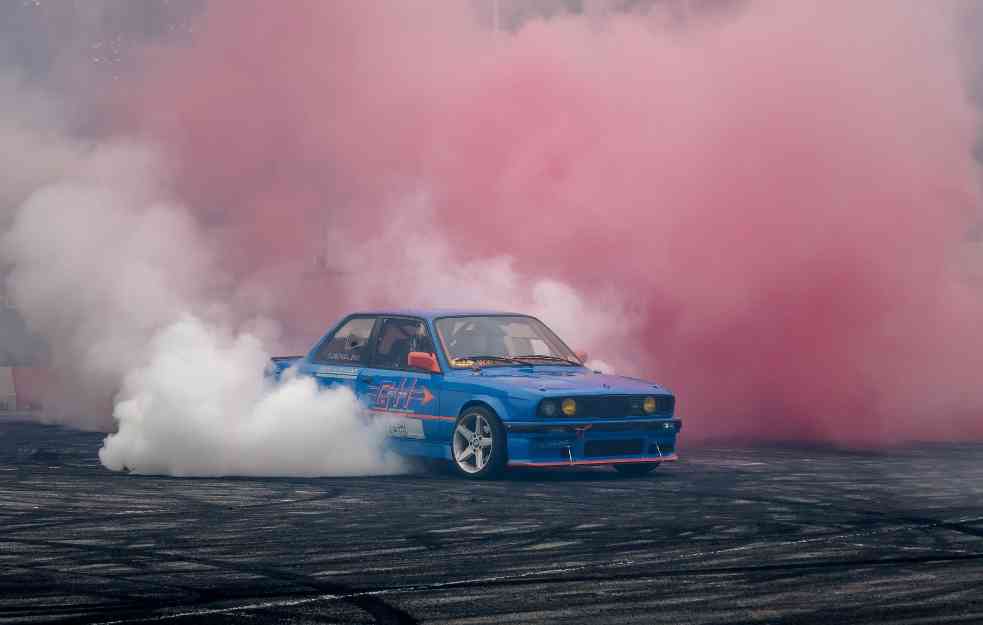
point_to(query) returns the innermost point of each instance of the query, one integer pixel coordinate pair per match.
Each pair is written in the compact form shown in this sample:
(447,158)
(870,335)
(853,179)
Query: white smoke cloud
(98,264)
(201,406)
(35,149)
(122,283)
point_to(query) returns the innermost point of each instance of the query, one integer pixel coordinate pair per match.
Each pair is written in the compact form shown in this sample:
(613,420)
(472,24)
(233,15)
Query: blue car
(491,390)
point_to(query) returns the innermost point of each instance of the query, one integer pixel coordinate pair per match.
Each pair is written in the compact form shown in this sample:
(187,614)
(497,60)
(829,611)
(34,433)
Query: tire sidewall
(499,456)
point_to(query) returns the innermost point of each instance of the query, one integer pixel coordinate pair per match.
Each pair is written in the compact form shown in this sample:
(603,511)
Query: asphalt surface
(727,535)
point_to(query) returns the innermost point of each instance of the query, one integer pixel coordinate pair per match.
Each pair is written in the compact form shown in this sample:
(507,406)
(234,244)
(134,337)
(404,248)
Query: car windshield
(501,340)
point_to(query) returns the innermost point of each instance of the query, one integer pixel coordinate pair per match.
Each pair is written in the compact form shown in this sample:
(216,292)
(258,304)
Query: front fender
(496,404)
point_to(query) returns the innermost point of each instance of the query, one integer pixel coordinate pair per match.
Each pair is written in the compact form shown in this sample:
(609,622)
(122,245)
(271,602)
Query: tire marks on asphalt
(737,532)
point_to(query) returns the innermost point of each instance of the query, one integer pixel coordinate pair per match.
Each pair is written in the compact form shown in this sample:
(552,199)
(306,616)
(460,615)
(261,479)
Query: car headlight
(548,408)
(569,407)
(649,405)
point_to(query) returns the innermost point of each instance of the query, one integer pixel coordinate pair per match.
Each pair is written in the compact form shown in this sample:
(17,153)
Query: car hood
(557,380)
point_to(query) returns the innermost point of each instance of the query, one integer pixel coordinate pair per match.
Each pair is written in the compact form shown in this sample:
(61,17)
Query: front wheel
(635,470)
(478,445)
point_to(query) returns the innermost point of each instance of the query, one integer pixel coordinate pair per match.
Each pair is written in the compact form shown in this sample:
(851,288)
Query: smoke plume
(202,407)
(117,275)
(770,207)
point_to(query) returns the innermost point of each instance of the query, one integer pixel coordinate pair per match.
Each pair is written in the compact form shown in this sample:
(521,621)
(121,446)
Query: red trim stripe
(575,463)
(412,415)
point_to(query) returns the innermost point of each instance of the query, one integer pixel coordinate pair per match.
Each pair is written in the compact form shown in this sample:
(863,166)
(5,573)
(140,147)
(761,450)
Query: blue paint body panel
(424,405)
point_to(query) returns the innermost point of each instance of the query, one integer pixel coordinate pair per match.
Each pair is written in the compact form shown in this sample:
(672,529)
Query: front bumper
(583,443)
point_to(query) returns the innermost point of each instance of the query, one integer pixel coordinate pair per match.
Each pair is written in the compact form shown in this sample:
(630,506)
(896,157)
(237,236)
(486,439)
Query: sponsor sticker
(405,428)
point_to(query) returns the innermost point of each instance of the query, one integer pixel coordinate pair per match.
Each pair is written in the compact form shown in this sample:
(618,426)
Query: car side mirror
(582,355)
(423,360)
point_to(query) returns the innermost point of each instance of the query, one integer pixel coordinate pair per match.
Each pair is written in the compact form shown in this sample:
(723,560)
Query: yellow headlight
(649,405)
(569,407)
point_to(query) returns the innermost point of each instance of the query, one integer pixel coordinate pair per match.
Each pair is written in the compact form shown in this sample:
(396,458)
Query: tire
(636,470)
(482,456)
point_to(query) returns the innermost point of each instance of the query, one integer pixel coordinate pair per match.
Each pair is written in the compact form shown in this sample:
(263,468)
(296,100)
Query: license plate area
(615,447)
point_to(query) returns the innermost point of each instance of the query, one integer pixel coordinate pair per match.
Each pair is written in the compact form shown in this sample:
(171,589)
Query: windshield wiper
(475,359)
(550,358)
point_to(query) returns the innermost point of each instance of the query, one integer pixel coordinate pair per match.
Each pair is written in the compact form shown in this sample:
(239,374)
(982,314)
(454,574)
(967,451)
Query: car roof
(434,313)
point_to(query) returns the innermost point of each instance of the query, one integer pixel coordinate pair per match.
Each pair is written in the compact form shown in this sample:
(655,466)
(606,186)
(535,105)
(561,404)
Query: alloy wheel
(474,441)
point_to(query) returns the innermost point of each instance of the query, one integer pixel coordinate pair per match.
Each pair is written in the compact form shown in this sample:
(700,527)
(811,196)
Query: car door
(340,356)
(407,398)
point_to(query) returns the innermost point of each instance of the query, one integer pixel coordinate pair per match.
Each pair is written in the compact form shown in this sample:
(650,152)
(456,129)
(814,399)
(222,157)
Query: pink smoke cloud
(782,197)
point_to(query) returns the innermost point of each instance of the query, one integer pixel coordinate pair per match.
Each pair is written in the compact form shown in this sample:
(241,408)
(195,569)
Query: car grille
(593,449)
(617,406)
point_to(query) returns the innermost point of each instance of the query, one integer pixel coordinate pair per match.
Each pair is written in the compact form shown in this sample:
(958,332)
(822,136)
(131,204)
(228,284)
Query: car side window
(348,344)
(397,338)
